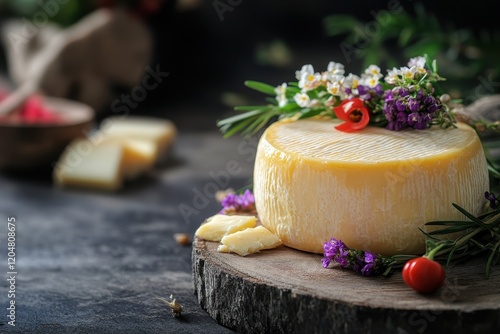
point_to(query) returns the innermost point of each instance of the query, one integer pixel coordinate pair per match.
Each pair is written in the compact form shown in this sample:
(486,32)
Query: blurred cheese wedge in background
(84,164)
(122,149)
(139,155)
(160,132)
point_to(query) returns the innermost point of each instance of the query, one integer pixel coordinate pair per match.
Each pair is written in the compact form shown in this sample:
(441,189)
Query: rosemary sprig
(477,236)
(257,117)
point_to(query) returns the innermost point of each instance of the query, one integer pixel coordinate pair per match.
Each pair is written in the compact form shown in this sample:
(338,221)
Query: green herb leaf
(405,36)
(307,113)
(434,66)
(340,24)
(493,252)
(261,87)
(239,117)
(251,108)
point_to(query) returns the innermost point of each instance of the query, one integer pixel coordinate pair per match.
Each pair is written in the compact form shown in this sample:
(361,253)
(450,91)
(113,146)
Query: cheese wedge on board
(249,241)
(372,189)
(219,225)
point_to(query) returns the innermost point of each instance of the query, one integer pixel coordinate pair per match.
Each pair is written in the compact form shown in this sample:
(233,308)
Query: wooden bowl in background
(38,146)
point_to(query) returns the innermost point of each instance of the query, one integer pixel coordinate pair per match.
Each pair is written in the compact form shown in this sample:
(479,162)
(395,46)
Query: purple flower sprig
(418,110)
(407,99)
(234,203)
(364,262)
(480,235)
(492,198)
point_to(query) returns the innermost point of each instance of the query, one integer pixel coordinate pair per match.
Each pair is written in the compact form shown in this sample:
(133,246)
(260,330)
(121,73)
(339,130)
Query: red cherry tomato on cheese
(423,275)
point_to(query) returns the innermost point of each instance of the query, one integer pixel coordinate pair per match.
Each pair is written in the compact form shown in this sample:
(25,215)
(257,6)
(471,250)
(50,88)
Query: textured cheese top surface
(317,139)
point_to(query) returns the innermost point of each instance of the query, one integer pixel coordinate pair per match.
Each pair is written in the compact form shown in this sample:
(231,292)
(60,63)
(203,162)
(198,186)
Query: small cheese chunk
(218,226)
(84,164)
(373,189)
(160,132)
(249,241)
(223,249)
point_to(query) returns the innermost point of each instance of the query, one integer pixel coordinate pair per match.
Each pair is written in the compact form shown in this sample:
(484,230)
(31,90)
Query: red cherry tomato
(423,275)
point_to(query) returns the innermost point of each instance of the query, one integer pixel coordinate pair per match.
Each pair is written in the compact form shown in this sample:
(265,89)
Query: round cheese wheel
(372,189)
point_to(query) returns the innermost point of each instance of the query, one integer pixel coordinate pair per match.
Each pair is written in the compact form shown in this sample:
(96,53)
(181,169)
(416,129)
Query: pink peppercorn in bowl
(34,136)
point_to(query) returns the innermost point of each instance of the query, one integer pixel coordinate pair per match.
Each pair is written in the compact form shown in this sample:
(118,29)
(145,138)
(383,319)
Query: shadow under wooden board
(288,291)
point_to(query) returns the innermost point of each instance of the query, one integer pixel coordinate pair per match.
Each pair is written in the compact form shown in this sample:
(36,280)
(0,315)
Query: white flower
(336,69)
(282,100)
(281,94)
(310,81)
(281,89)
(392,76)
(330,77)
(302,100)
(421,70)
(305,69)
(373,70)
(369,81)
(334,88)
(351,81)
(408,73)
(417,61)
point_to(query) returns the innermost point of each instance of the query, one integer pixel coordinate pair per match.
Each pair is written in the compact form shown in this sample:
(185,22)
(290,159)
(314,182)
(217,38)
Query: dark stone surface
(91,262)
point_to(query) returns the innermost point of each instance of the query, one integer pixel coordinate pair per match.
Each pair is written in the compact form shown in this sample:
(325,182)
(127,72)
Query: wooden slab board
(288,291)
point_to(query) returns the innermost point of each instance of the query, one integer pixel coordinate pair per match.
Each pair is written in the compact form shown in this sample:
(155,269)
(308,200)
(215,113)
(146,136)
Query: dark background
(208,57)
(95,262)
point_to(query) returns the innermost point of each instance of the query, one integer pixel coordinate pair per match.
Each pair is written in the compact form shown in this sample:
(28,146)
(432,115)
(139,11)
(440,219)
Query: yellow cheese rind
(219,225)
(372,189)
(249,241)
(86,165)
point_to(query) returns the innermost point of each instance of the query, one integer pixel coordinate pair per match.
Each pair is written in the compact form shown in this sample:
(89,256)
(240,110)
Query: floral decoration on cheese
(407,97)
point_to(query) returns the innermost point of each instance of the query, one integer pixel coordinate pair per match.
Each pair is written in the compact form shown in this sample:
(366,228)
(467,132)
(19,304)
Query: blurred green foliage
(467,58)
(64,14)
